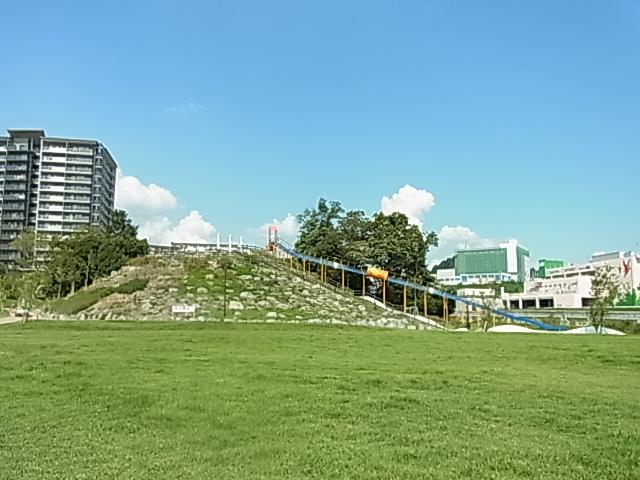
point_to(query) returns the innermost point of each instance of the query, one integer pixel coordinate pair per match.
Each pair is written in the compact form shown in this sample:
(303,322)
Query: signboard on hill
(183,309)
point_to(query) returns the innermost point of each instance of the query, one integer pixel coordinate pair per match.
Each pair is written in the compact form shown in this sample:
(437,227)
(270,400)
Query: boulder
(235,305)
(247,296)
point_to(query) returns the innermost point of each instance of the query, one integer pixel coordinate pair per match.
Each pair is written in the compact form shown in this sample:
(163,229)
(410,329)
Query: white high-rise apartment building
(53,185)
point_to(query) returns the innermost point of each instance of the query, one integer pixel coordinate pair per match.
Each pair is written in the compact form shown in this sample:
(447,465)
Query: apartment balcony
(49,197)
(82,180)
(14,177)
(84,201)
(79,170)
(13,206)
(50,218)
(76,218)
(13,196)
(16,168)
(18,158)
(80,160)
(54,149)
(12,216)
(49,228)
(51,206)
(80,150)
(53,169)
(8,236)
(52,178)
(52,159)
(76,208)
(19,146)
(52,188)
(76,189)
(15,187)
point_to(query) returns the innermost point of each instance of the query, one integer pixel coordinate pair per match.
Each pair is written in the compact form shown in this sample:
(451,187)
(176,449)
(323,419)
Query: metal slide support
(424,303)
(343,278)
(404,298)
(384,292)
(445,309)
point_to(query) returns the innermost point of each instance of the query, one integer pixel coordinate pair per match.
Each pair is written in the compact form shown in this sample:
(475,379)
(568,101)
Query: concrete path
(7,320)
(419,318)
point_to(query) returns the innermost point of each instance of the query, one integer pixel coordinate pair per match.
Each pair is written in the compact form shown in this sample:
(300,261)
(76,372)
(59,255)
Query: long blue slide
(289,250)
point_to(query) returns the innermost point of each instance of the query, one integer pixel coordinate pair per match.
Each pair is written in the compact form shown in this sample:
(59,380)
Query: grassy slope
(274,287)
(148,400)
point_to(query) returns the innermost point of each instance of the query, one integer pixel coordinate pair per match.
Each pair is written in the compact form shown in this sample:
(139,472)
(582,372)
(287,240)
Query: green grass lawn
(166,400)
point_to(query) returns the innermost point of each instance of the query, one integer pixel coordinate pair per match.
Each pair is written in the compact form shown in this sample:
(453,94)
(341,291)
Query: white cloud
(287,229)
(193,228)
(137,198)
(189,107)
(148,206)
(413,202)
(458,238)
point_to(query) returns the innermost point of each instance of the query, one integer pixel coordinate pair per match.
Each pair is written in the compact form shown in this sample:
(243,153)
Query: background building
(570,286)
(545,264)
(53,185)
(507,262)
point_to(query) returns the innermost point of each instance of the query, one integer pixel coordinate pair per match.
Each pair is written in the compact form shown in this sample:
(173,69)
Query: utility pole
(224,296)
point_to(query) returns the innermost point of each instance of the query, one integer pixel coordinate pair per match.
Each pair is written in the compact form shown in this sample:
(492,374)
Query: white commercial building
(570,286)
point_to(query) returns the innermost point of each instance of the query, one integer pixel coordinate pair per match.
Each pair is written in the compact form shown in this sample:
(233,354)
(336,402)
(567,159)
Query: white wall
(512,255)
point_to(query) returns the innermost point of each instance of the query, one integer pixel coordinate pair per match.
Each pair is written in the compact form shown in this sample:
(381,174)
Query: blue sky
(522,119)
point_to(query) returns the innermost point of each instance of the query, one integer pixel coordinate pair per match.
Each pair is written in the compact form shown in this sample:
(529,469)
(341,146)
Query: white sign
(183,309)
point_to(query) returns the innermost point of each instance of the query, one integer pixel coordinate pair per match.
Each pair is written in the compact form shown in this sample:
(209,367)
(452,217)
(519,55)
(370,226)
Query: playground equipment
(280,247)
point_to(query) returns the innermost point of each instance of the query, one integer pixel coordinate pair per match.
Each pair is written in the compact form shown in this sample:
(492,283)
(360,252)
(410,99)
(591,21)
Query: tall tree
(400,247)
(121,224)
(25,244)
(319,230)
(80,258)
(449,262)
(354,231)
(606,289)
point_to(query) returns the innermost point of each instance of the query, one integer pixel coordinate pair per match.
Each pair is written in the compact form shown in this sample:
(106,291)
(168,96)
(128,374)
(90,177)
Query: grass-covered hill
(259,288)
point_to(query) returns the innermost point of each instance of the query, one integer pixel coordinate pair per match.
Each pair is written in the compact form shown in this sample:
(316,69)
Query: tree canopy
(389,241)
(78,259)
(606,289)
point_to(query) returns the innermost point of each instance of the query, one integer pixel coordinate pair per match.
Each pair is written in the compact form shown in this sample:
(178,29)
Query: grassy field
(176,401)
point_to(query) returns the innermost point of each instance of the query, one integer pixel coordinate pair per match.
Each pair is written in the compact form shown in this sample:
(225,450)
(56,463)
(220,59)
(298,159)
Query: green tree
(606,289)
(121,224)
(354,231)
(319,230)
(80,258)
(25,244)
(449,262)
(400,247)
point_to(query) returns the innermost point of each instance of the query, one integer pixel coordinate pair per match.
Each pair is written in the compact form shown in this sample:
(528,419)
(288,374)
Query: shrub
(133,285)
(147,260)
(80,301)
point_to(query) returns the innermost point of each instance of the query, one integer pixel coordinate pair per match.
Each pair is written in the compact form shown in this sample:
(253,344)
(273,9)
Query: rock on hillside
(259,288)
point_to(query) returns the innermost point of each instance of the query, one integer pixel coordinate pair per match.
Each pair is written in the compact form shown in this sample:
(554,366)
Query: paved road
(7,320)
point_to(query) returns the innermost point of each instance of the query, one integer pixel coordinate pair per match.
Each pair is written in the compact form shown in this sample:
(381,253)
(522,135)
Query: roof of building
(26,132)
